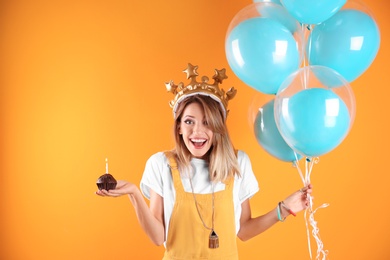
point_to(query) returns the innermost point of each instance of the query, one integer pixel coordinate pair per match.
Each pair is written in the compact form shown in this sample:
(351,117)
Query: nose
(199,128)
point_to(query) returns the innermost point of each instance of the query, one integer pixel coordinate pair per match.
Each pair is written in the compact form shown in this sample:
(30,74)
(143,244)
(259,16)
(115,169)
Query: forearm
(255,226)
(153,227)
(250,227)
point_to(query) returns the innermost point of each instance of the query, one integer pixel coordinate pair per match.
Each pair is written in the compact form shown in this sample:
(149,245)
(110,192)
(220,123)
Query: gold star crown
(201,88)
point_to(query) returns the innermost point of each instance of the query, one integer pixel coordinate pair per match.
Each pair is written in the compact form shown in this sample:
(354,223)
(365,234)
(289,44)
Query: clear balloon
(268,136)
(348,42)
(314,113)
(263,45)
(267,1)
(312,12)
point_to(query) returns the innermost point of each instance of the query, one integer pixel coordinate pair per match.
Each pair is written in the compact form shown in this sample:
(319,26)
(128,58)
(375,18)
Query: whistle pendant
(213,240)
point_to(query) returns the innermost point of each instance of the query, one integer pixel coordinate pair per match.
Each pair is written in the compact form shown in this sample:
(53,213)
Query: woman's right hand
(122,188)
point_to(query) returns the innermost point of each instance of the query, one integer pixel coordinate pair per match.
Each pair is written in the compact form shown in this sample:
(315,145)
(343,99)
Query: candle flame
(106,165)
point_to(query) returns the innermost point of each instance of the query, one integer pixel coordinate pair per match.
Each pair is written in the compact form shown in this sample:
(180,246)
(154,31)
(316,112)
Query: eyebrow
(190,116)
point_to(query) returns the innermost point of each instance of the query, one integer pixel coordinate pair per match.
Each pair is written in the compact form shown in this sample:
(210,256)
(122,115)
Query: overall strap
(174,171)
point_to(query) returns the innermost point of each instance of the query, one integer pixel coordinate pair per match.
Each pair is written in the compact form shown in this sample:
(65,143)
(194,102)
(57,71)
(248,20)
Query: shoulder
(156,174)
(247,184)
(157,163)
(245,164)
(157,158)
(242,156)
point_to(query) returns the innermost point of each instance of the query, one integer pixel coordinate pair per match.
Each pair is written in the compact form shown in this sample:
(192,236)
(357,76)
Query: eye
(188,122)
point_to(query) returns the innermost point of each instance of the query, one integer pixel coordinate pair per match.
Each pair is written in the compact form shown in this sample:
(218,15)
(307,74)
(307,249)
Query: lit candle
(106,165)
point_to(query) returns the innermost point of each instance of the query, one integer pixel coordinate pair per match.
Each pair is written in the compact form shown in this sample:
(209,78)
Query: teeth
(198,140)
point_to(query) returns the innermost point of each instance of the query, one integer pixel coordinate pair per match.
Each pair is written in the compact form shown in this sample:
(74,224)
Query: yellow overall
(187,236)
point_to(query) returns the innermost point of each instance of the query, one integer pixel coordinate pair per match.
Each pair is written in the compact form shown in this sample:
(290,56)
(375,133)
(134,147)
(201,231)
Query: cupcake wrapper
(106,186)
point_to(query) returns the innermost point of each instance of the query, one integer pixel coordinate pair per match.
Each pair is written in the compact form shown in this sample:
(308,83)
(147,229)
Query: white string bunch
(309,212)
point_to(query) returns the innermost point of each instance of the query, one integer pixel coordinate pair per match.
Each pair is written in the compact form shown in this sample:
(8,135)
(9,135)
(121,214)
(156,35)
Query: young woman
(199,192)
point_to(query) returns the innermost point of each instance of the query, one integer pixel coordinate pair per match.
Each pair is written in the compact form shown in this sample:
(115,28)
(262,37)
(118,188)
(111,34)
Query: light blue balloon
(348,43)
(262,53)
(312,11)
(268,136)
(313,121)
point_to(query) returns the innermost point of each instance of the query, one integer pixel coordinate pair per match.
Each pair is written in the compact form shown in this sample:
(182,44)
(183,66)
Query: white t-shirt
(157,176)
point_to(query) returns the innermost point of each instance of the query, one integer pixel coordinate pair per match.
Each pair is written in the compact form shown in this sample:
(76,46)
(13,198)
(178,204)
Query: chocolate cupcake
(106,181)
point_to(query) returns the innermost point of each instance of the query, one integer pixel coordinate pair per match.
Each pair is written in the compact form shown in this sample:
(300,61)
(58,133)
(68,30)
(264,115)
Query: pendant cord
(197,207)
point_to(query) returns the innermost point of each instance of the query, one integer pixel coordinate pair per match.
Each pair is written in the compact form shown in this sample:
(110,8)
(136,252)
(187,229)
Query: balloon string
(309,212)
(296,164)
(303,55)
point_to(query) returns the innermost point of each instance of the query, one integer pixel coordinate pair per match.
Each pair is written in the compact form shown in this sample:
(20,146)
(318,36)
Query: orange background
(84,80)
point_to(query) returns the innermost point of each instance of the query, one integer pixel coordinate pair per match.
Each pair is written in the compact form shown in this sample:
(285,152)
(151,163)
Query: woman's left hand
(299,200)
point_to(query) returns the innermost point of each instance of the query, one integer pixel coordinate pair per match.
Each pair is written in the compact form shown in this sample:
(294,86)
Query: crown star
(201,88)
(170,86)
(191,71)
(220,75)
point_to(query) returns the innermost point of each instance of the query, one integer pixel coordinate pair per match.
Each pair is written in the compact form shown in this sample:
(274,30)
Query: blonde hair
(222,158)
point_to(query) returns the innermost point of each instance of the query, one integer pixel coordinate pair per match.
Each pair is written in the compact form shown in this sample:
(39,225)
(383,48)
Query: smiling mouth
(198,143)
